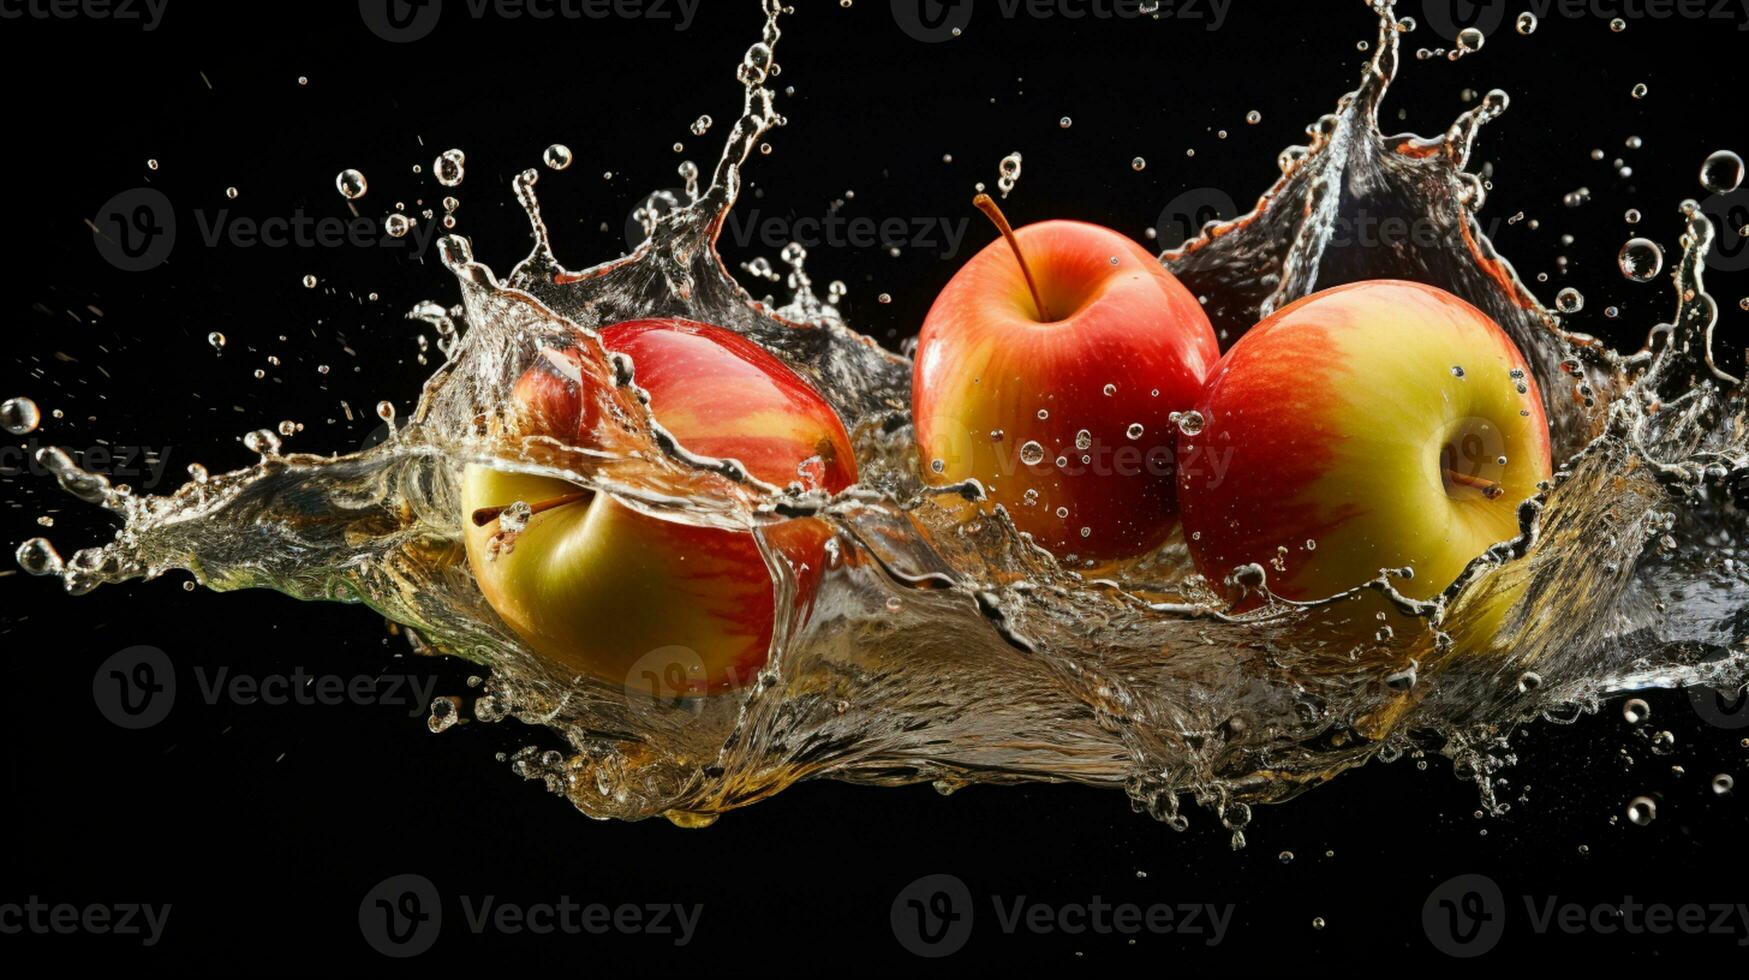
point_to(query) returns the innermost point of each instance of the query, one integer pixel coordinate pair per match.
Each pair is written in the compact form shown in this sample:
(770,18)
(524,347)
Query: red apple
(1382,424)
(629,598)
(1049,370)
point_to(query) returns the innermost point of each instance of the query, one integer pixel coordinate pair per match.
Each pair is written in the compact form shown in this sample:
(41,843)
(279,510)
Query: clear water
(952,651)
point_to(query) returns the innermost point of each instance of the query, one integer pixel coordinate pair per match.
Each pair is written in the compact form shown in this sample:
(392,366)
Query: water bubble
(1135,430)
(20,415)
(216,339)
(1642,811)
(1008,173)
(1138,164)
(263,441)
(1529,681)
(1318,921)
(1285,857)
(1723,784)
(1632,216)
(1083,440)
(351,184)
(1044,413)
(1722,172)
(1065,122)
(1253,117)
(1031,453)
(1190,423)
(701,125)
(1470,39)
(1527,23)
(38,557)
(397,225)
(1639,90)
(1641,259)
(386,411)
(445,712)
(1110,390)
(1457,370)
(557,157)
(1618,25)
(450,167)
(1569,300)
(1636,711)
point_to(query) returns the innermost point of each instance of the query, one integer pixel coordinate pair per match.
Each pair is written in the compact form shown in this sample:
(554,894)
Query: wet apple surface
(625,597)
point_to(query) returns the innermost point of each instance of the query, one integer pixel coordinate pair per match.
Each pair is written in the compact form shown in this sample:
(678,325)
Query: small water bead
(1008,173)
(351,184)
(1062,512)
(1457,370)
(310,282)
(1253,117)
(1527,23)
(386,410)
(1529,681)
(1135,430)
(1031,453)
(1110,390)
(1632,216)
(151,165)
(1065,122)
(397,225)
(1318,923)
(1639,90)
(20,416)
(1641,259)
(1190,423)
(263,441)
(700,126)
(1470,40)
(38,557)
(450,167)
(1642,811)
(217,340)
(1722,172)
(1569,300)
(1723,784)
(938,465)
(1618,25)
(1044,413)
(557,157)
(1138,164)
(1663,743)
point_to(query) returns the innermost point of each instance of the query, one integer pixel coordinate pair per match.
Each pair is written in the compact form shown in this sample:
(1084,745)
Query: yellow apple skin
(656,605)
(1358,429)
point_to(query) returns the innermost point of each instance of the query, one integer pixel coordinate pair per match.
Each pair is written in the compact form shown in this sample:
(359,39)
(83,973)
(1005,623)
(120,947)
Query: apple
(1049,370)
(606,591)
(1381,424)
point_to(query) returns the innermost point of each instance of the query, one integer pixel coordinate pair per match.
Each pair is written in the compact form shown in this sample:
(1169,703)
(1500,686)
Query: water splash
(945,647)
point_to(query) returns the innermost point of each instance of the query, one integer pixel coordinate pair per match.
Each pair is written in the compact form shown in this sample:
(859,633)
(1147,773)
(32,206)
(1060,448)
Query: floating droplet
(1722,172)
(1641,259)
(1723,784)
(1527,23)
(1639,90)
(450,167)
(1138,164)
(1636,711)
(216,339)
(397,225)
(20,416)
(1642,811)
(557,156)
(351,184)
(1569,300)
(1190,423)
(1031,453)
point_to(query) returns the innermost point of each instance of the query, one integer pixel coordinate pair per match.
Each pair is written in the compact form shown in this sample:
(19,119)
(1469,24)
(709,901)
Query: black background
(264,827)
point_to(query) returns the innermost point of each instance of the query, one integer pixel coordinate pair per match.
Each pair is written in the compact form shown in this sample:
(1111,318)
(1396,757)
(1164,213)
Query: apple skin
(632,599)
(986,364)
(1335,420)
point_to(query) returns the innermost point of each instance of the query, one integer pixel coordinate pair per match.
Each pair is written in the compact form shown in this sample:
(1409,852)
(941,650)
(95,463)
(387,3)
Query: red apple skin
(601,588)
(986,364)
(1327,432)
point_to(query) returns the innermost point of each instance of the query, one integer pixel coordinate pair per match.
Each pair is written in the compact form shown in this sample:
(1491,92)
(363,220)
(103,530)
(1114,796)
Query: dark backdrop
(264,827)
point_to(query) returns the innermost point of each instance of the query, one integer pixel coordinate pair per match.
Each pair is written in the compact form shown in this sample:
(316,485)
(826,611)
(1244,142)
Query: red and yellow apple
(1378,425)
(600,588)
(1048,370)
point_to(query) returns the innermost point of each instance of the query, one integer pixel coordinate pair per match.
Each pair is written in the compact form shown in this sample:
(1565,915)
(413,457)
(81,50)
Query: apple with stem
(1049,370)
(1378,425)
(590,583)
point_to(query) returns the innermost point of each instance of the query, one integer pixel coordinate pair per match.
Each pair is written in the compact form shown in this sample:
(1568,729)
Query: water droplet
(1642,811)
(1722,172)
(1569,300)
(216,339)
(38,557)
(1135,430)
(1318,923)
(1110,390)
(1618,25)
(1138,164)
(20,416)
(1457,370)
(1641,259)
(351,184)
(1065,122)
(1529,681)
(1253,117)
(386,411)
(1031,453)
(1285,857)
(1723,784)
(1470,39)
(1190,423)
(557,156)
(701,125)
(397,225)
(1083,440)
(1527,23)
(450,167)
(1639,90)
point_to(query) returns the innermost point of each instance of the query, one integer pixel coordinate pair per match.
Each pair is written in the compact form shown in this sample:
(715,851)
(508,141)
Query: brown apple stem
(486,515)
(1489,488)
(987,204)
